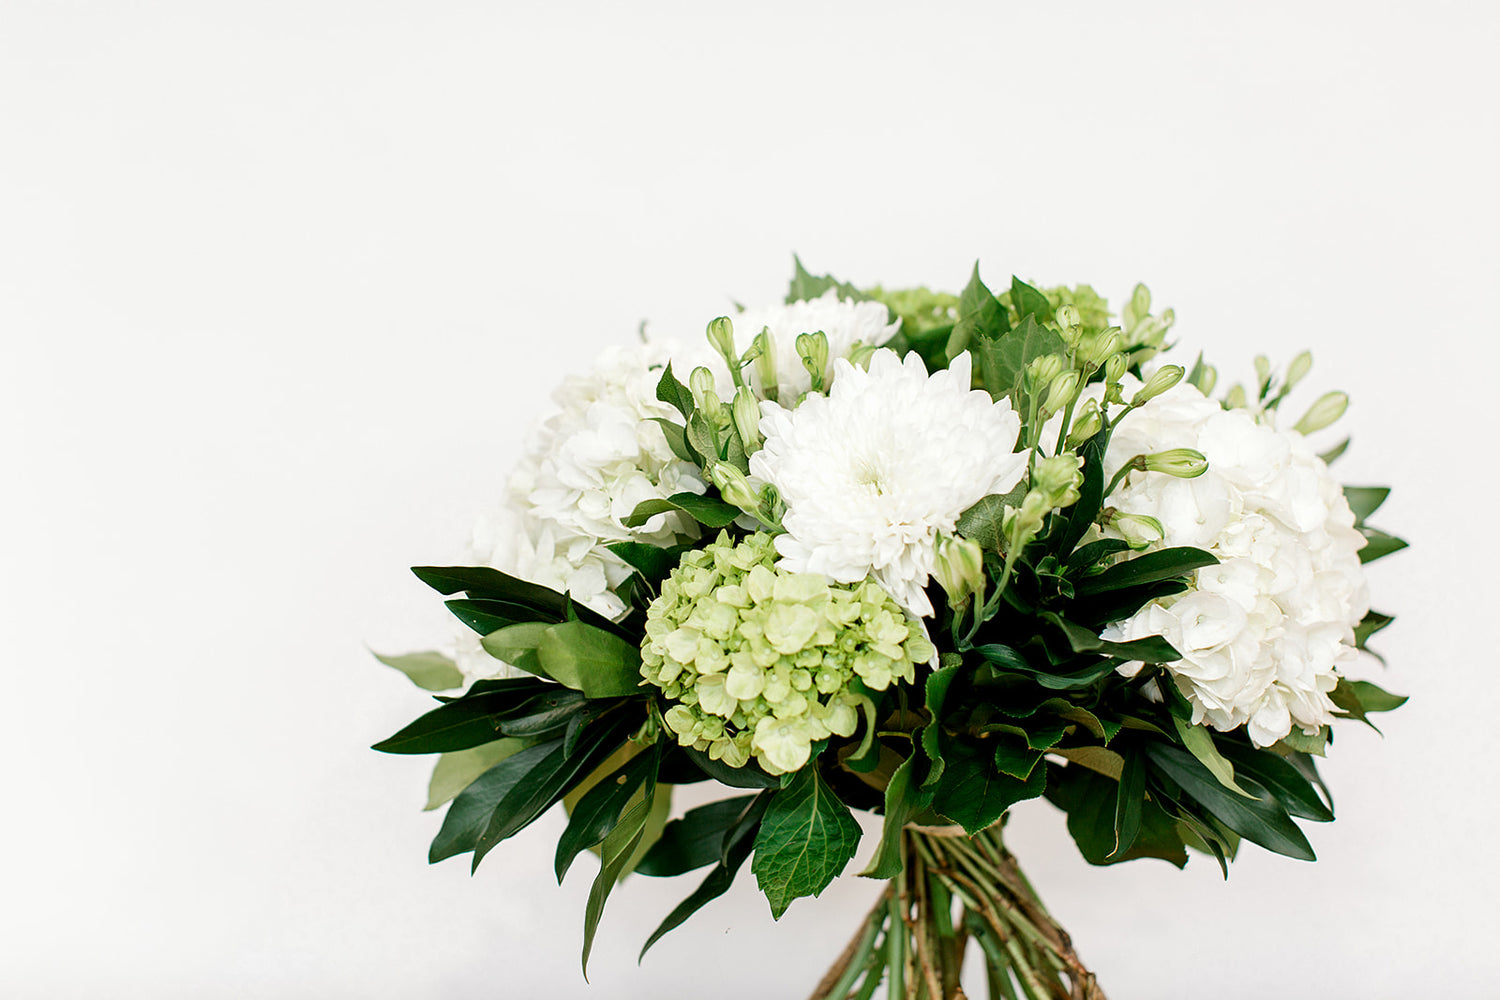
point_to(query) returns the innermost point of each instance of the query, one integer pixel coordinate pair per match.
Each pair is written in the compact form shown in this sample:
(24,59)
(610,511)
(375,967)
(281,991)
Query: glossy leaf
(674,393)
(693,841)
(677,441)
(1152,649)
(458,725)
(749,776)
(973,792)
(904,798)
(1153,567)
(651,561)
(471,810)
(591,660)
(1130,793)
(614,854)
(936,693)
(708,511)
(599,811)
(457,770)
(1261,820)
(482,583)
(1281,778)
(805,840)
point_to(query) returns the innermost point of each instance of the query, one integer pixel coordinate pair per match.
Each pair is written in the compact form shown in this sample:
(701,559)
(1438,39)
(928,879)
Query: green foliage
(598,812)
(1260,819)
(457,770)
(428,671)
(805,285)
(904,799)
(709,511)
(695,840)
(806,839)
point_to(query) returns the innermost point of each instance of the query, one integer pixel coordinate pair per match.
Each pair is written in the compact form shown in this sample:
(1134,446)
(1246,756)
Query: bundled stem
(954,889)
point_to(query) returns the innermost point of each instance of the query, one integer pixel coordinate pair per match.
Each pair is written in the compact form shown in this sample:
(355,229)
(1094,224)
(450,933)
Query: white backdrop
(282,284)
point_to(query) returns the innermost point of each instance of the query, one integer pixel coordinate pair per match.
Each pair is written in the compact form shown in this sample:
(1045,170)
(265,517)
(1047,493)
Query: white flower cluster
(586,469)
(1263,634)
(873,473)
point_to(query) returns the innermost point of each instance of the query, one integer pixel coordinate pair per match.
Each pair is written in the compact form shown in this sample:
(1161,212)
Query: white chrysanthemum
(1263,633)
(876,470)
(585,470)
(844,323)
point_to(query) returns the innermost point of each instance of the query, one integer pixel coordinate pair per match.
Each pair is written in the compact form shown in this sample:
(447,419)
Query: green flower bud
(704,388)
(1114,368)
(1139,306)
(1298,369)
(762,353)
(746,413)
(1058,478)
(1140,530)
(1108,342)
(1086,423)
(1160,381)
(1329,407)
(812,348)
(1262,369)
(721,337)
(734,487)
(1184,463)
(1064,390)
(1208,376)
(960,569)
(1043,369)
(860,354)
(1235,399)
(1067,316)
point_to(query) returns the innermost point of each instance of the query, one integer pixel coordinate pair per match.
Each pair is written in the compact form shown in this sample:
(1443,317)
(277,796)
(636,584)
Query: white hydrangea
(1264,633)
(873,473)
(844,323)
(586,468)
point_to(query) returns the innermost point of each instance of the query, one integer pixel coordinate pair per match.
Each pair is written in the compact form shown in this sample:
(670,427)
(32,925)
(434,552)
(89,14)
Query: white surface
(279,284)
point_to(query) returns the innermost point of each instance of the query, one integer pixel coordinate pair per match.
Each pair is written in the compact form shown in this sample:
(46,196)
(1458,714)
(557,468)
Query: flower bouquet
(918,554)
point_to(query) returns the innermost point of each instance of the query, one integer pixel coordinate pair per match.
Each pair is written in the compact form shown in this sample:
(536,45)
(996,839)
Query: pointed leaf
(904,798)
(1163,564)
(471,810)
(1281,778)
(973,792)
(1027,301)
(805,840)
(1261,820)
(1365,500)
(599,810)
(1200,743)
(1378,545)
(614,853)
(591,660)
(429,671)
(694,840)
(458,770)
(674,393)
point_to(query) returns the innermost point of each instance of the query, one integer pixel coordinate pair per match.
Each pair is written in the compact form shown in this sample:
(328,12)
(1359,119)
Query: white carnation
(844,323)
(876,470)
(1263,634)
(586,468)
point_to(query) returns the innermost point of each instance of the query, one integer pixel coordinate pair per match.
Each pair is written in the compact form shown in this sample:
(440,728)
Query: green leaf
(482,583)
(1130,794)
(591,660)
(694,840)
(1087,555)
(458,769)
(1378,545)
(973,792)
(1372,622)
(651,561)
(806,286)
(547,782)
(752,775)
(485,617)
(1027,301)
(472,809)
(517,646)
(1261,820)
(1374,699)
(1117,605)
(1079,518)
(1154,567)
(935,694)
(1281,778)
(614,854)
(1200,743)
(429,671)
(984,522)
(1299,741)
(1015,756)
(598,812)
(737,845)
(458,725)
(980,317)
(1002,361)
(904,798)
(1097,759)
(806,839)
(1365,500)
(676,436)
(1152,649)
(708,511)
(674,393)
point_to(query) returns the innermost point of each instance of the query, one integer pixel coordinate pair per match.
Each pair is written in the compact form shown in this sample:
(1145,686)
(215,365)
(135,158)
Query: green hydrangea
(762,662)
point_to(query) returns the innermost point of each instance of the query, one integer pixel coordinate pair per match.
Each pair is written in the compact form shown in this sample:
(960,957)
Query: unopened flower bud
(1044,368)
(721,337)
(1064,390)
(1058,478)
(1086,423)
(1329,407)
(1207,377)
(1067,316)
(959,568)
(734,487)
(1108,342)
(861,353)
(1139,530)
(706,394)
(1139,306)
(763,354)
(1160,381)
(1235,399)
(1114,368)
(1262,369)
(1184,463)
(1298,369)
(812,348)
(746,413)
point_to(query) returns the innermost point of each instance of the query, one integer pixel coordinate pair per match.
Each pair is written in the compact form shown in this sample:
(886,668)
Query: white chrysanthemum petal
(876,470)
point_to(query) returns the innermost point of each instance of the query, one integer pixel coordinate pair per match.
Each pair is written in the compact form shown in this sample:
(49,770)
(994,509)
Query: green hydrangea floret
(762,662)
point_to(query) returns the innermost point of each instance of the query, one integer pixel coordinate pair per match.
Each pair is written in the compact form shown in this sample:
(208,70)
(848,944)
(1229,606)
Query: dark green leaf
(749,776)
(1152,649)
(651,561)
(1281,778)
(708,511)
(1088,555)
(694,840)
(1261,819)
(486,617)
(458,725)
(984,522)
(1014,755)
(805,840)
(1365,500)
(1332,454)
(935,694)
(482,583)
(1027,301)
(1130,794)
(1077,519)
(429,671)
(1200,743)
(904,798)
(1117,605)
(1154,567)
(598,812)
(973,793)
(738,843)
(1373,622)
(980,317)
(1374,699)
(471,810)
(457,770)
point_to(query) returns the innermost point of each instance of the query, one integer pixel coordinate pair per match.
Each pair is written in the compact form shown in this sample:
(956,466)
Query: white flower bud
(706,394)
(1114,368)
(959,568)
(746,413)
(1064,390)
(1140,530)
(1109,342)
(1042,370)
(734,487)
(1329,407)
(1086,423)
(1067,316)
(1298,369)
(1184,463)
(721,337)
(762,351)
(1161,380)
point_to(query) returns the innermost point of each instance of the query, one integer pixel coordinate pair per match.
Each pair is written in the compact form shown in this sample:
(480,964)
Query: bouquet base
(955,890)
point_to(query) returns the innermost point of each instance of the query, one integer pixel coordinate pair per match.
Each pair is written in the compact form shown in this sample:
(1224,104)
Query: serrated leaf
(429,671)
(1001,361)
(980,317)
(934,695)
(807,286)
(973,792)
(1027,301)
(458,769)
(1015,756)
(805,840)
